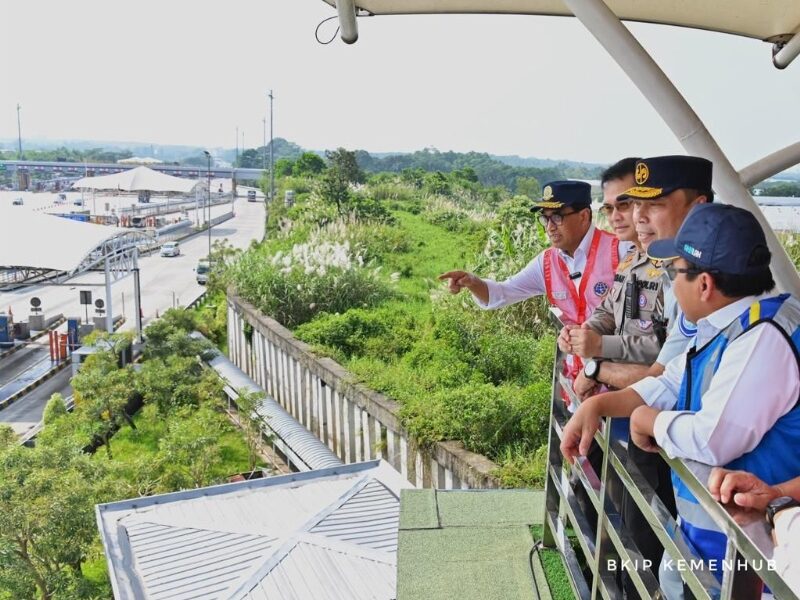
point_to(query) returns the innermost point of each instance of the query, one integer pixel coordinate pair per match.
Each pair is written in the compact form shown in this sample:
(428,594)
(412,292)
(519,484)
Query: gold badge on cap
(547,193)
(642,173)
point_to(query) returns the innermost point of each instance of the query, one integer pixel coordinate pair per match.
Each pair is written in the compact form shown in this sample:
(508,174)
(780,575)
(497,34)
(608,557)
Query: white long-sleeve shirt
(529,282)
(757,382)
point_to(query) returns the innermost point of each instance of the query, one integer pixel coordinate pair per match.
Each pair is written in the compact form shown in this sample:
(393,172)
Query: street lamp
(208,223)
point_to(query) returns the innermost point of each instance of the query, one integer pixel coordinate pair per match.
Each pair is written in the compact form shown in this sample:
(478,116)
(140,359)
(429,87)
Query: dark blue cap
(560,194)
(661,175)
(718,237)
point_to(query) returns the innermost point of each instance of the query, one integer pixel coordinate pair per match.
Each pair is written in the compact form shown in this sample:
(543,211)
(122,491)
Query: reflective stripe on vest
(596,281)
(699,529)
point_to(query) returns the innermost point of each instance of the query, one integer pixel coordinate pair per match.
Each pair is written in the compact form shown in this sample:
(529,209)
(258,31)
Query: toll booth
(6,334)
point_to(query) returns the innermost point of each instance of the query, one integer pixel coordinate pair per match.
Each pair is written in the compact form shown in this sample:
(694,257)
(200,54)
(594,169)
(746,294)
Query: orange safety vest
(577,305)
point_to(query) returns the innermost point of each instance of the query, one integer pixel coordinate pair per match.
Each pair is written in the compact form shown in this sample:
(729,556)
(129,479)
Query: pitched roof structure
(136,180)
(330,533)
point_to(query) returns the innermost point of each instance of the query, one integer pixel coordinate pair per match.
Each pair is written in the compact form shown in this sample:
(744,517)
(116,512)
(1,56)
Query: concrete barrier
(356,423)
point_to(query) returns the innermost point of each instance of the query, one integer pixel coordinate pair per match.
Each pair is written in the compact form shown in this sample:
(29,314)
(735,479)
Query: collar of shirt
(709,326)
(578,260)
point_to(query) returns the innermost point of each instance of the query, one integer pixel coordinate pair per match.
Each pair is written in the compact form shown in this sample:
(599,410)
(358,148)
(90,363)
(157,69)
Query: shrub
(296,286)
(381,332)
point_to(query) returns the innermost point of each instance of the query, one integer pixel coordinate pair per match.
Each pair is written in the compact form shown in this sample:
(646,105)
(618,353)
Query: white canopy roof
(41,241)
(765,19)
(135,180)
(139,160)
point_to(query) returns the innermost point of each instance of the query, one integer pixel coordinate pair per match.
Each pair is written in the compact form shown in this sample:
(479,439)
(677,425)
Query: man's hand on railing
(585,342)
(579,431)
(642,423)
(584,387)
(744,495)
(563,339)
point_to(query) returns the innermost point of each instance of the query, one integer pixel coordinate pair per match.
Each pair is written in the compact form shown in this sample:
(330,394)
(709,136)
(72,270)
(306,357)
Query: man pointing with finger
(575,273)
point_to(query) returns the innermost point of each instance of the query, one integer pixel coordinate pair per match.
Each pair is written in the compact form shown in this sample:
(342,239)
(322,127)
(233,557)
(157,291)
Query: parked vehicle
(171,249)
(18,202)
(251,195)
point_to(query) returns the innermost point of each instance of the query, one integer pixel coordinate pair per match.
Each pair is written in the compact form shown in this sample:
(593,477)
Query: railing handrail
(750,543)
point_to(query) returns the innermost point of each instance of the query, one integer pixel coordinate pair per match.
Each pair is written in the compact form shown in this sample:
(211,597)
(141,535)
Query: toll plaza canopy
(137,180)
(41,242)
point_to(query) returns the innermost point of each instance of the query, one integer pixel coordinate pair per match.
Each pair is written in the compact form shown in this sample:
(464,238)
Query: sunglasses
(672,272)
(556,218)
(621,206)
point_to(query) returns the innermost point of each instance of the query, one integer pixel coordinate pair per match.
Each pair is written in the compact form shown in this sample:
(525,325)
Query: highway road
(166,282)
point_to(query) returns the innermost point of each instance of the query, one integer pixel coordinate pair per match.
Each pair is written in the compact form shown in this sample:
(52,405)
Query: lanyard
(579,297)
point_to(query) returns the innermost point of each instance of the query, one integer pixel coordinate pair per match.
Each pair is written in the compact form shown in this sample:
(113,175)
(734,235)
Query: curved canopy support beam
(768,166)
(679,116)
(347,20)
(787,52)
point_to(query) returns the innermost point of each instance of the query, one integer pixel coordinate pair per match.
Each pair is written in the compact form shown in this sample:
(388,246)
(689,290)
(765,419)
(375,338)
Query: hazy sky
(181,72)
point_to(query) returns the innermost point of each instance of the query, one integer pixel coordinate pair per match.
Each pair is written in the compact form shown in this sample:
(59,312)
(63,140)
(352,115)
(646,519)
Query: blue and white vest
(776,458)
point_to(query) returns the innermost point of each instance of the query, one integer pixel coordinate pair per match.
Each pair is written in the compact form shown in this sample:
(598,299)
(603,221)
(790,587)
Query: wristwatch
(592,368)
(777,505)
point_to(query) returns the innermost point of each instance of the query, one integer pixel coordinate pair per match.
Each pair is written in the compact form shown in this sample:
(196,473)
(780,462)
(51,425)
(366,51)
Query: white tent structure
(139,160)
(19,249)
(137,180)
(72,247)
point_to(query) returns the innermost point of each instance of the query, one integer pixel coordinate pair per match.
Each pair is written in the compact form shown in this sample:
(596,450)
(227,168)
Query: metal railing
(595,558)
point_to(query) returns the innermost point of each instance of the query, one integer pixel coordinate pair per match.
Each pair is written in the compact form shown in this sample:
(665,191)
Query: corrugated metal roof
(370,518)
(179,562)
(256,537)
(317,570)
(303,449)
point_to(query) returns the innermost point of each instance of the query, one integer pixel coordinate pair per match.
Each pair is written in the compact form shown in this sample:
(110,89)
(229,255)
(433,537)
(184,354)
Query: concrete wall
(355,422)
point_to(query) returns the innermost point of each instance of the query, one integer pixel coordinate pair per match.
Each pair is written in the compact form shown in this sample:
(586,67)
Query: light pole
(264,164)
(236,161)
(271,153)
(19,135)
(208,197)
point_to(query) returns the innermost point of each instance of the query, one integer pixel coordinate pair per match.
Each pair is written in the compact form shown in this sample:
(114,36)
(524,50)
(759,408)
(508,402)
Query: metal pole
(264,164)
(271,152)
(109,308)
(137,296)
(19,135)
(236,161)
(208,223)
(679,116)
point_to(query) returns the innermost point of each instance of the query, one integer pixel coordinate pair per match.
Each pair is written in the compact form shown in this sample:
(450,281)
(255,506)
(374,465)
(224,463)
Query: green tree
(251,159)
(529,186)
(308,163)
(55,409)
(47,523)
(190,451)
(283,167)
(7,436)
(249,420)
(344,162)
(103,392)
(334,188)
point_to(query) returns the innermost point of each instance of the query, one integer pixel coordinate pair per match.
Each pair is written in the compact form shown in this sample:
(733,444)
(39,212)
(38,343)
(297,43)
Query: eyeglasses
(556,218)
(621,206)
(672,272)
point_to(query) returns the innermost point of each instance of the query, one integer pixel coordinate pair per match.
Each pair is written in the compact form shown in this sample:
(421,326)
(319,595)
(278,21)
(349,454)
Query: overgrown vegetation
(105,450)
(352,267)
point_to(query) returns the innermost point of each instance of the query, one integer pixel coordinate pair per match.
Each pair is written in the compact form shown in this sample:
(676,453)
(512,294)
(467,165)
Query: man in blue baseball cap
(731,400)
